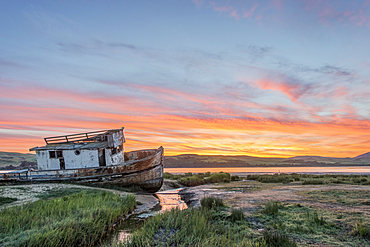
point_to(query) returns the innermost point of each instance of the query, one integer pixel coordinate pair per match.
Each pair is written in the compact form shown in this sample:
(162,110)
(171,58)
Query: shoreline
(270,166)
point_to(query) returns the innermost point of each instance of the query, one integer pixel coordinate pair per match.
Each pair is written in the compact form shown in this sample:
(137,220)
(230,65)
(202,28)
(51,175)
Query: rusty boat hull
(142,168)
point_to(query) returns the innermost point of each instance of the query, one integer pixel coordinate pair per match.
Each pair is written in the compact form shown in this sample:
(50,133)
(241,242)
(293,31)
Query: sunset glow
(261,78)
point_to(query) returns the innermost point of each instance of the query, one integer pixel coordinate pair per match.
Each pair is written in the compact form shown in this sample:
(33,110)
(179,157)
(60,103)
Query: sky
(269,78)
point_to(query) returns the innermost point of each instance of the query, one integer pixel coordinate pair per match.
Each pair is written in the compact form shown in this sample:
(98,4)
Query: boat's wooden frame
(143,168)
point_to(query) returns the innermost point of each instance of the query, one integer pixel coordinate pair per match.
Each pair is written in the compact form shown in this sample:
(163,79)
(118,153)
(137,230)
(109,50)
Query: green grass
(52,193)
(237,214)
(275,178)
(209,202)
(80,219)
(310,179)
(314,225)
(272,208)
(277,239)
(342,197)
(361,229)
(202,227)
(6,200)
(132,188)
(194,179)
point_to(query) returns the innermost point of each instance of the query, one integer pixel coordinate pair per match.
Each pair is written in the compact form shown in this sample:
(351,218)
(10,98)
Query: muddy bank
(249,195)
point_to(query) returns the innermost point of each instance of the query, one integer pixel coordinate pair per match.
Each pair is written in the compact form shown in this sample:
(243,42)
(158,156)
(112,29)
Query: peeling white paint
(78,156)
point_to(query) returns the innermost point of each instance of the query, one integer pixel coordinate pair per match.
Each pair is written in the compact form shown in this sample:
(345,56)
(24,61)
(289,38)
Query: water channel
(168,200)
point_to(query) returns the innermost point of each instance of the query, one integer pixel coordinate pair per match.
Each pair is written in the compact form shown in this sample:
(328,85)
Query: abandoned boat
(96,157)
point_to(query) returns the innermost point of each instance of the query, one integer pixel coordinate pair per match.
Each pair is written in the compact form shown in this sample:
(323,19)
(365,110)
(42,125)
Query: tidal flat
(267,210)
(258,210)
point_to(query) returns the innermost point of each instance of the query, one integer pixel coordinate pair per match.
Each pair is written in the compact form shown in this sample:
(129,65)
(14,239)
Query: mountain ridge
(12,160)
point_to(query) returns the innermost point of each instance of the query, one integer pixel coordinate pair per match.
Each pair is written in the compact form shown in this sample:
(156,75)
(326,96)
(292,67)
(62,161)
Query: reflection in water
(171,199)
(167,200)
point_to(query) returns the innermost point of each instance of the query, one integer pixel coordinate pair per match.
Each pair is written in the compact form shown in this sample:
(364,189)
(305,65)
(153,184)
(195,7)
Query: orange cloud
(234,127)
(292,90)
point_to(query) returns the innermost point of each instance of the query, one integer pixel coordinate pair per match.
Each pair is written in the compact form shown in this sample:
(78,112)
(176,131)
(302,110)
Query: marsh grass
(200,227)
(310,224)
(131,188)
(361,229)
(237,214)
(6,200)
(277,239)
(22,188)
(53,193)
(342,197)
(272,208)
(311,179)
(313,182)
(210,202)
(81,219)
(194,179)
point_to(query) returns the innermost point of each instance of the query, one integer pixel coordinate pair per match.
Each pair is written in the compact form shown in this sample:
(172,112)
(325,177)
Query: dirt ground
(249,195)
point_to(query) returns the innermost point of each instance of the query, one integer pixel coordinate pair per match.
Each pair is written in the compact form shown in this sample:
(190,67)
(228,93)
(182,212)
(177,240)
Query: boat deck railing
(81,137)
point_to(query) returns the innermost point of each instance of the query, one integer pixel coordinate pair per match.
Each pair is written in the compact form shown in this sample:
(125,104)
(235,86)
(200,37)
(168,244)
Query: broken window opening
(114,150)
(59,154)
(52,155)
(120,148)
(62,164)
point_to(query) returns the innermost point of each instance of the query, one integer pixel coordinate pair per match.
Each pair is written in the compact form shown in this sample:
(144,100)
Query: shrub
(192,181)
(275,178)
(235,178)
(168,175)
(209,202)
(313,181)
(219,177)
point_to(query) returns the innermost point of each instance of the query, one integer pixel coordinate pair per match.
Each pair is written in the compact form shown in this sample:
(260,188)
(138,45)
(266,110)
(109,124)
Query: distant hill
(12,161)
(363,156)
(191,160)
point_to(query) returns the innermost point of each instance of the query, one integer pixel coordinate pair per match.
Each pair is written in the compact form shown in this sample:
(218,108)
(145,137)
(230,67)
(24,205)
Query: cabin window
(77,152)
(114,150)
(59,154)
(52,155)
(120,148)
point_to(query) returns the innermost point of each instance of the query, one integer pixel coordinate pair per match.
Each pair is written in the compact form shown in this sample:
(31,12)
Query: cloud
(199,3)
(326,69)
(228,9)
(95,46)
(250,12)
(329,69)
(356,13)
(258,52)
(292,88)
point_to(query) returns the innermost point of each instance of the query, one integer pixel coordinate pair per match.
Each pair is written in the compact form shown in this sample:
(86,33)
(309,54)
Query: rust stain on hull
(143,168)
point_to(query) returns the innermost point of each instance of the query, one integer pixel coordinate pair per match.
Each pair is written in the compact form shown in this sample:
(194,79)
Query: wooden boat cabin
(84,150)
